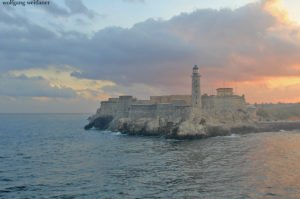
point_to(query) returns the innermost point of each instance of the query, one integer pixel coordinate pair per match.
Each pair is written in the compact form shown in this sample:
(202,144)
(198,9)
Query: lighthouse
(196,92)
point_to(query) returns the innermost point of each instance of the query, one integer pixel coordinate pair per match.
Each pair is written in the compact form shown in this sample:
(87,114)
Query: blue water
(50,156)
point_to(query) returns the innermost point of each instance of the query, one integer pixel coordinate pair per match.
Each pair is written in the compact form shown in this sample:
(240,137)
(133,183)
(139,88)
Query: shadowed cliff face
(189,129)
(199,124)
(101,123)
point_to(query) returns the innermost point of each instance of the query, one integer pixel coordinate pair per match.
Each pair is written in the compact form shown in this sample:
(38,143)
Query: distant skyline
(69,56)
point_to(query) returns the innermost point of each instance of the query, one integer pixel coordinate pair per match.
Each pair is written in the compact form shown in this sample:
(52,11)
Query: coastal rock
(101,122)
(188,129)
(145,126)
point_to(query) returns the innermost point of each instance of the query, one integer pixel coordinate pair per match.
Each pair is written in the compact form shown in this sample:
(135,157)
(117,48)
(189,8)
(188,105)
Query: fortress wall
(113,99)
(208,102)
(127,106)
(229,102)
(172,112)
(170,98)
(116,106)
(232,102)
(164,111)
(179,103)
(167,111)
(124,105)
(145,102)
(108,108)
(142,111)
(181,113)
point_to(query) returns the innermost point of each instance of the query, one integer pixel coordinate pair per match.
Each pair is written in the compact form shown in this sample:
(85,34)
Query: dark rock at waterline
(101,123)
(142,128)
(244,129)
(208,131)
(89,126)
(146,127)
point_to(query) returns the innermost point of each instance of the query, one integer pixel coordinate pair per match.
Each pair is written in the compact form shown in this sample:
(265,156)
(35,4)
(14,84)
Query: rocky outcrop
(189,129)
(145,126)
(101,122)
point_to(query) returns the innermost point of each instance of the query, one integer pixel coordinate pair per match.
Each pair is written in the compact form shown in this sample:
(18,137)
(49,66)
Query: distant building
(224,92)
(224,100)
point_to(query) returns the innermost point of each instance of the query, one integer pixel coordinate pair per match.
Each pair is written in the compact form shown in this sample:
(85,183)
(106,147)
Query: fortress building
(224,92)
(173,108)
(182,116)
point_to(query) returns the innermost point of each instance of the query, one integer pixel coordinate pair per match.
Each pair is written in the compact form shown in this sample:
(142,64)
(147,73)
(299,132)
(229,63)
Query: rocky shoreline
(186,129)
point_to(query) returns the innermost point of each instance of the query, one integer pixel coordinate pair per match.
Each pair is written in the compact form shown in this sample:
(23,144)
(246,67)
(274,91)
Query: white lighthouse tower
(196,91)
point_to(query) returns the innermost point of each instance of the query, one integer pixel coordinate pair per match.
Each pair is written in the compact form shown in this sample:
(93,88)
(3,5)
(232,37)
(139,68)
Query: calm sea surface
(50,156)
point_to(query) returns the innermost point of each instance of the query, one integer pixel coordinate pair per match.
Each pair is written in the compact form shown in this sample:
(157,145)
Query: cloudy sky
(70,55)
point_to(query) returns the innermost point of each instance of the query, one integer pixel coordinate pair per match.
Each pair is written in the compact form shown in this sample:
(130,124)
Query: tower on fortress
(196,91)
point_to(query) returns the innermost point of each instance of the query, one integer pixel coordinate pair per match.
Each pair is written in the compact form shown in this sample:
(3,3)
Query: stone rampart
(233,102)
(171,98)
(169,112)
(108,108)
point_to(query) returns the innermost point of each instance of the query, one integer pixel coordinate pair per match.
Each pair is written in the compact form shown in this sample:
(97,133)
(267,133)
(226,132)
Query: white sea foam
(232,136)
(117,133)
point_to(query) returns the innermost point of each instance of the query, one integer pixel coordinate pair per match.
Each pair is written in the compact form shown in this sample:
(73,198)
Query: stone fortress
(184,116)
(174,108)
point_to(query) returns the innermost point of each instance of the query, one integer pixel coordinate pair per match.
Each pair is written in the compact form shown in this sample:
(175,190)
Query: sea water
(51,156)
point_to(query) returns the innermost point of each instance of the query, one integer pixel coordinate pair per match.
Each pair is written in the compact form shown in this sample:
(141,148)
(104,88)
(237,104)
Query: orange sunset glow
(251,46)
(270,78)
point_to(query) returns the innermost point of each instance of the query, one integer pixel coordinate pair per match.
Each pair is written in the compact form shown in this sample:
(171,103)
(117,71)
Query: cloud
(77,7)
(7,18)
(73,7)
(246,44)
(140,91)
(47,105)
(31,87)
(248,41)
(134,1)
(271,89)
(56,10)
(59,78)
